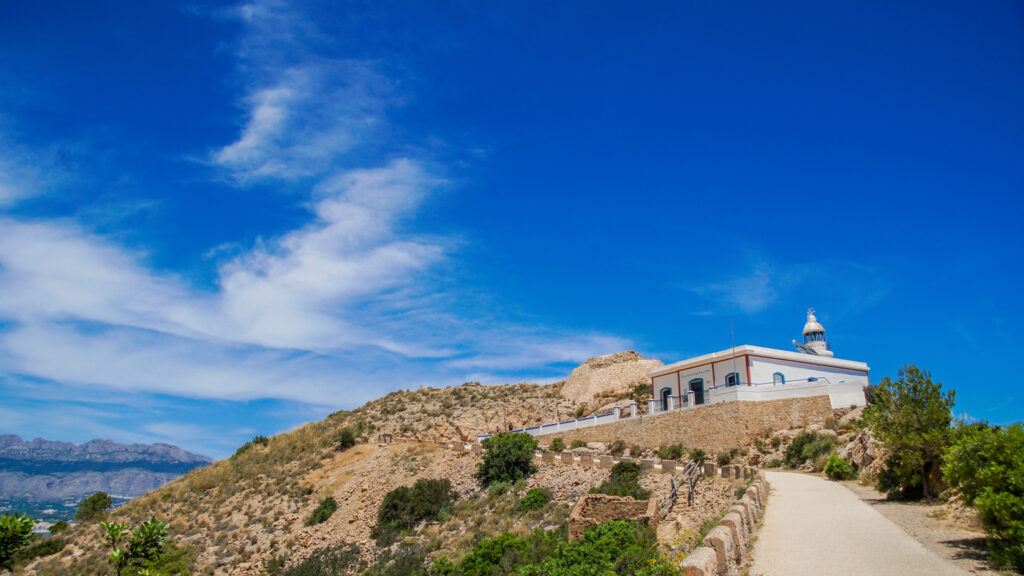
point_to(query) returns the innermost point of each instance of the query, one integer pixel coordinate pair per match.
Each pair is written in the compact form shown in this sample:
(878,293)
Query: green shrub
(619,547)
(499,488)
(807,446)
(776,442)
(93,507)
(773,463)
(535,499)
(911,418)
(338,559)
(698,455)
(557,444)
(323,511)
(624,481)
(987,466)
(58,527)
(831,423)
(346,439)
(405,507)
(838,468)
(723,458)
(256,441)
(15,532)
(508,457)
(670,452)
(636,451)
(760,445)
(580,410)
(617,448)
(41,547)
(578,444)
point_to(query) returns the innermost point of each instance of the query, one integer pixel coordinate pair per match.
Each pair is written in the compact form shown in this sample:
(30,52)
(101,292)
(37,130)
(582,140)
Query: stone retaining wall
(724,549)
(713,428)
(595,509)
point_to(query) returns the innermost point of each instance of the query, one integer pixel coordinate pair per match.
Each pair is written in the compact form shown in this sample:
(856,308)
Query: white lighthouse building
(755,373)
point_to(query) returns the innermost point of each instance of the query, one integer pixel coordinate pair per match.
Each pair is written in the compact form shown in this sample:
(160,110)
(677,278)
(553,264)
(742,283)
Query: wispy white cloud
(846,286)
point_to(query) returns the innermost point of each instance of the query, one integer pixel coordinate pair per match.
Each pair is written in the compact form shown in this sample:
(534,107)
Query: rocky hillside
(237,515)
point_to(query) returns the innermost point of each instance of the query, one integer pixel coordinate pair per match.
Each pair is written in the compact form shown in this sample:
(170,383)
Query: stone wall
(713,428)
(595,509)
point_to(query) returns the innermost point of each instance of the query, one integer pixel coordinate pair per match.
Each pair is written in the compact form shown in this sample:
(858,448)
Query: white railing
(841,394)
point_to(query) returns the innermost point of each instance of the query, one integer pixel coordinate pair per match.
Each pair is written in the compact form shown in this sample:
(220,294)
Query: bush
(405,507)
(831,423)
(58,527)
(346,439)
(636,451)
(776,442)
(499,489)
(42,547)
(617,448)
(508,457)
(578,444)
(807,446)
(911,418)
(670,452)
(323,512)
(773,463)
(698,455)
(723,459)
(339,559)
(838,468)
(15,532)
(557,444)
(619,547)
(580,410)
(256,441)
(93,507)
(624,481)
(535,499)
(987,466)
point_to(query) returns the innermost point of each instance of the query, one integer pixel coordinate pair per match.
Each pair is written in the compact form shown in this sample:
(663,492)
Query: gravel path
(814,527)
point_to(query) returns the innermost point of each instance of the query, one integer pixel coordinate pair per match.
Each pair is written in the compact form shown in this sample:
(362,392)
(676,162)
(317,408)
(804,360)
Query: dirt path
(815,527)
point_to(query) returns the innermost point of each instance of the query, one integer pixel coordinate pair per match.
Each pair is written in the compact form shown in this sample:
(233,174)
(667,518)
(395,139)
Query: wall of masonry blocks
(713,428)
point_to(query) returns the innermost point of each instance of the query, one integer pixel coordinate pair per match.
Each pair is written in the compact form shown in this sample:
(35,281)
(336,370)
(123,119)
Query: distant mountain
(40,474)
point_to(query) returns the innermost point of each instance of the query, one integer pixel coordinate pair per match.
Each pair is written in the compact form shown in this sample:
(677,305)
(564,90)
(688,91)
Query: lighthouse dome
(812,324)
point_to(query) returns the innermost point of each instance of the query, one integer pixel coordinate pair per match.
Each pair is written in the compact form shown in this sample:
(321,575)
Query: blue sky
(218,220)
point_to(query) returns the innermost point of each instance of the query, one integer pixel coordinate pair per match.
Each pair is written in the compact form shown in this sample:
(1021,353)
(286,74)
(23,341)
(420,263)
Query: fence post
(691,397)
(650,405)
(632,410)
(618,412)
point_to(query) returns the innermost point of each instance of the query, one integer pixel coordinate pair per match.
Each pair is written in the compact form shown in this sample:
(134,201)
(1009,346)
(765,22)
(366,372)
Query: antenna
(732,335)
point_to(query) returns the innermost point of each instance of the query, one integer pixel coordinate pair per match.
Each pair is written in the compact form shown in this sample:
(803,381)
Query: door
(665,393)
(697,387)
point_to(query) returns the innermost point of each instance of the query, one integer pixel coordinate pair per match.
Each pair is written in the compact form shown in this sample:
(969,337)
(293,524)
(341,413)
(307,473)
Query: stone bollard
(755,494)
(568,458)
(477,448)
(586,459)
(738,472)
(607,462)
(548,457)
(459,446)
(709,469)
(720,538)
(625,458)
(647,463)
(734,522)
(751,508)
(668,465)
(701,562)
(745,514)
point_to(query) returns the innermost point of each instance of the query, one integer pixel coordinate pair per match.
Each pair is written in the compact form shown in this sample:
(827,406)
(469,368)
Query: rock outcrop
(611,375)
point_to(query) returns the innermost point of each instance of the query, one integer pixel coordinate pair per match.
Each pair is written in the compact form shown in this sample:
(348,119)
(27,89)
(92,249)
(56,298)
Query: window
(732,379)
(778,378)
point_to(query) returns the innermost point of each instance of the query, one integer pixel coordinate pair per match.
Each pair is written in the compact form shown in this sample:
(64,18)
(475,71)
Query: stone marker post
(632,410)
